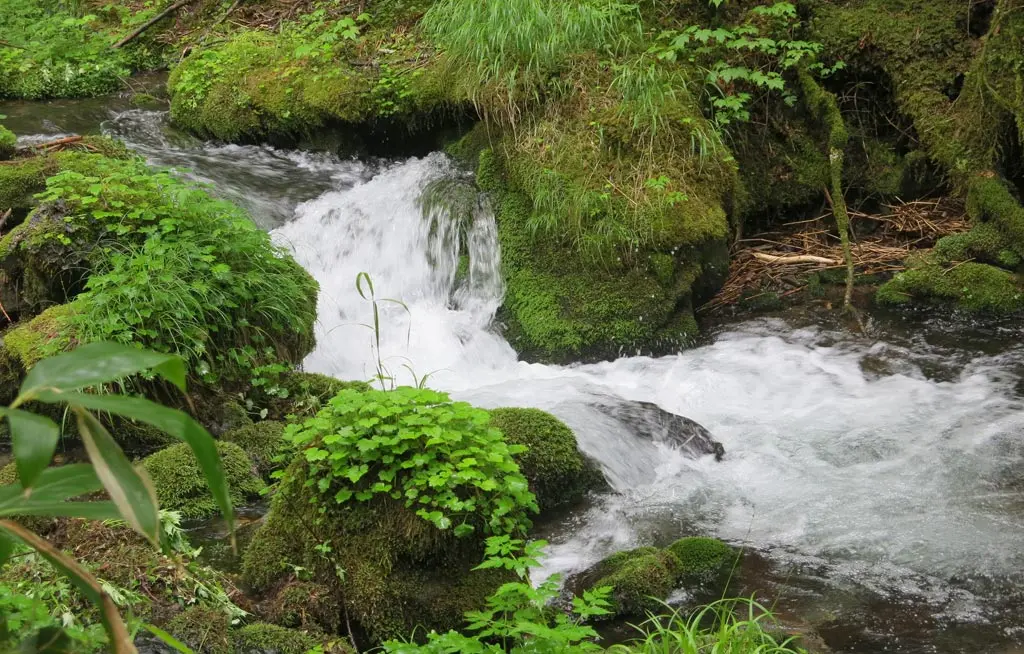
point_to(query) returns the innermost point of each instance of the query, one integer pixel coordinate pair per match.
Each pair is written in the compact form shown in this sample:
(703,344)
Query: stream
(875,480)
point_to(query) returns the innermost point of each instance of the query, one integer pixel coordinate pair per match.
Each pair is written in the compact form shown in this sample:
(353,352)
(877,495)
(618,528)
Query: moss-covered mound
(261,84)
(261,441)
(260,638)
(361,485)
(972,287)
(559,474)
(8,142)
(204,629)
(640,579)
(181,486)
(703,561)
(305,393)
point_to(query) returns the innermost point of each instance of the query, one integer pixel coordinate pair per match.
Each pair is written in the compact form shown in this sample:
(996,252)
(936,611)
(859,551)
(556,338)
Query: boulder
(650,421)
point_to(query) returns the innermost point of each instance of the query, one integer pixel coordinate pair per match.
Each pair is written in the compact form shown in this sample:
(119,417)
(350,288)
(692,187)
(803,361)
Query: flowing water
(877,481)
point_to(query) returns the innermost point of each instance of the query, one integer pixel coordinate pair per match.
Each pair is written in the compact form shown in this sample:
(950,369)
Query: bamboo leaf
(101,363)
(128,487)
(120,641)
(33,442)
(168,639)
(170,421)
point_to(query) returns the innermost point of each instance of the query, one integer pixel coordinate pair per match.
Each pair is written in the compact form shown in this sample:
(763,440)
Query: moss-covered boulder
(262,638)
(205,629)
(261,441)
(640,579)
(306,605)
(305,393)
(8,474)
(970,287)
(11,373)
(47,334)
(559,473)
(703,561)
(181,486)
(359,486)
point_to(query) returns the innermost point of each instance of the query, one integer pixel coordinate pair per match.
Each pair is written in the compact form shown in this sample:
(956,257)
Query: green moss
(703,560)
(401,573)
(261,441)
(8,141)
(972,287)
(260,637)
(984,243)
(204,629)
(640,579)
(11,374)
(306,393)
(8,474)
(989,200)
(558,473)
(306,605)
(47,334)
(181,486)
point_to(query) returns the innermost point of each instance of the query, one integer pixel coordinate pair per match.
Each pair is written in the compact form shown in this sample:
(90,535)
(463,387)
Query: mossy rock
(306,393)
(558,472)
(703,561)
(306,605)
(640,579)
(401,573)
(983,243)
(8,474)
(8,142)
(181,486)
(261,440)
(47,334)
(970,287)
(204,629)
(11,373)
(262,638)
(220,414)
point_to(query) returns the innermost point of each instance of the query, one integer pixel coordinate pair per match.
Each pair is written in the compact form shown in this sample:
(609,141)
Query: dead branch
(151,22)
(798,258)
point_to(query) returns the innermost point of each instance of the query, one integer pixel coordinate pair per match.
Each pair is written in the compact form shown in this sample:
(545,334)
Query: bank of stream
(876,480)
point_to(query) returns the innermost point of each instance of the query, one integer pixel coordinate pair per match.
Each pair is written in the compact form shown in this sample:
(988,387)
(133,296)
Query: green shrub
(417,446)
(216,291)
(181,486)
(558,473)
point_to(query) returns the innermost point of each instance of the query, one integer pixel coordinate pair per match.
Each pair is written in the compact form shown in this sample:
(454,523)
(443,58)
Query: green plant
(416,445)
(745,59)
(519,617)
(52,491)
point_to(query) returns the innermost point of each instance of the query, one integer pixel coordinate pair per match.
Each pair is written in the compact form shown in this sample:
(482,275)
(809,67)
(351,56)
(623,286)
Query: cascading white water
(824,458)
(842,453)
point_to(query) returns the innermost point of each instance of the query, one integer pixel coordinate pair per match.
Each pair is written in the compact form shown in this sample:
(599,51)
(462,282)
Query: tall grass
(727,626)
(507,48)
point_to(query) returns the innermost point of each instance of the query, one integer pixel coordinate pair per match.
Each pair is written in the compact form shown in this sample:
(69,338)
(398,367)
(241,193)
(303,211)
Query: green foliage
(415,445)
(181,486)
(215,290)
(558,473)
(204,629)
(744,60)
(47,491)
(8,141)
(511,49)
(50,52)
(518,617)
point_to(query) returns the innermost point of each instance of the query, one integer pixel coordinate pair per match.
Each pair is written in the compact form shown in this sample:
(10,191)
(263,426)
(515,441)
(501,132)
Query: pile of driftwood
(773,260)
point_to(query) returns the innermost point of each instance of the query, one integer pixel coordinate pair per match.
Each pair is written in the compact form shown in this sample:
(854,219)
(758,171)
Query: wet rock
(650,421)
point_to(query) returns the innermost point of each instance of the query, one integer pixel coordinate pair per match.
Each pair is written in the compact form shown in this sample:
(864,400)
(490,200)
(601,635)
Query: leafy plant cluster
(744,63)
(521,618)
(47,51)
(178,271)
(413,445)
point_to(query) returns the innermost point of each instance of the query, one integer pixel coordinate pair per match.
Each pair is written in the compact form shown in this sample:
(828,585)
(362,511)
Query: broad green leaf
(54,485)
(101,363)
(127,486)
(33,441)
(168,639)
(117,633)
(170,421)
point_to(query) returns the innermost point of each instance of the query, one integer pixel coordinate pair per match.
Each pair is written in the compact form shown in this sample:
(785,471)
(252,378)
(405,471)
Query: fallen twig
(798,258)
